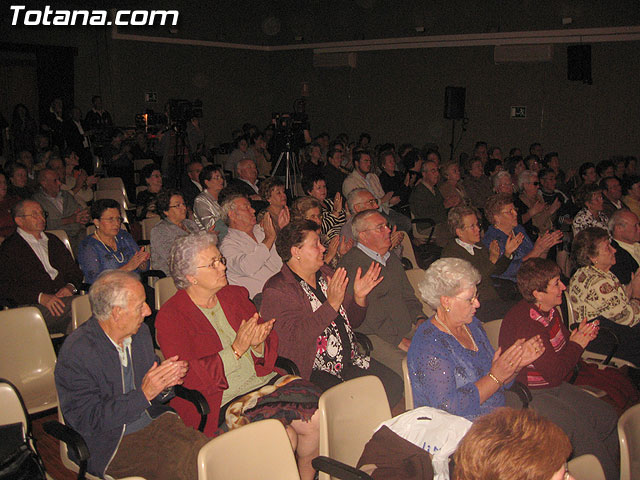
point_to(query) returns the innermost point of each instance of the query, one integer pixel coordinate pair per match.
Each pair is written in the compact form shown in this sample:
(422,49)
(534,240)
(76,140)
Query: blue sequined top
(443,373)
(522,251)
(94,257)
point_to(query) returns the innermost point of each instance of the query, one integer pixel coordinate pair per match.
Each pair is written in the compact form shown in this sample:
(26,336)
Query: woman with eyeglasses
(592,212)
(534,214)
(231,352)
(207,211)
(316,317)
(452,365)
(110,247)
(174,224)
(504,228)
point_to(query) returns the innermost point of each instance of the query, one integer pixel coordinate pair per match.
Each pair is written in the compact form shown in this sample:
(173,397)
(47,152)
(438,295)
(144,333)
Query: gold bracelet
(235,352)
(495,379)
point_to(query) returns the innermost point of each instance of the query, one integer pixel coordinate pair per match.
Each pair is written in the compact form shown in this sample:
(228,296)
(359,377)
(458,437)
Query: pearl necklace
(112,252)
(466,329)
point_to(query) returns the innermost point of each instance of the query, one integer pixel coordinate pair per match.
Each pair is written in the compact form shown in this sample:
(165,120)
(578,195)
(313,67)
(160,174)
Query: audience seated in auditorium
(605,169)
(260,153)
(464,224)
(333,172)
(547,377)
(52,123)
(7,201)
(427,201)
(534,214)
(451,188)
(246,183)
(477,184)
(19,181)
(334,215)
(393,309)
(503,217)
(231,352)
(207,211)
(595,291)
(151,177)
(37,269)
(611,195)
(503,183)
(632,197)
(240,152)
(110,247)
(76,137)
(191,187)
(117,159)
(249,247)
(75,179)
(624,228)
(174,224)
(363,177)
(313,160)
(589,196)
(113,389)
(97,118)
(393,181)
(272,192)
(63,211)
(315,315)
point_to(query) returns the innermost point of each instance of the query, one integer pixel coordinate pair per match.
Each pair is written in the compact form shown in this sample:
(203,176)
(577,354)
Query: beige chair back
(571,312)
(118,197)
(423,237)
(80,310)
(27,358)
(147,224)
(11,411)
(407,251)
(408,391)
(165,289)
(492,330)
(349,414)
(415,276)
(629,436)
(586,467)
(114,183)
(64,238)
(258,450)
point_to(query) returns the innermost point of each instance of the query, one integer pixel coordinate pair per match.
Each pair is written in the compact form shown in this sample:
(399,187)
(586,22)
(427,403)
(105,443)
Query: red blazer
(183,330)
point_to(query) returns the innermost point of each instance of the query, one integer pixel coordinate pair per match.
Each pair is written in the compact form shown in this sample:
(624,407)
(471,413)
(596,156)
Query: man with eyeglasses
(393,308)
(64,211)
(37,269)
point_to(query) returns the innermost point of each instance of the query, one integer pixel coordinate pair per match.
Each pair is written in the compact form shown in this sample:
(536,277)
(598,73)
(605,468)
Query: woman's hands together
(585,332)
(251,334)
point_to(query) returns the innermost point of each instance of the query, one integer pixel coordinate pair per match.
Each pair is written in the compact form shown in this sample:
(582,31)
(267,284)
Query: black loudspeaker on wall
(454,103)
(579,63)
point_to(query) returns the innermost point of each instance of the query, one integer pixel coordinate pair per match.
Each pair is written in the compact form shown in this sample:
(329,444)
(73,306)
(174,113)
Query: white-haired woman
(231,351)
(451,362)
(535,215)
(502,182)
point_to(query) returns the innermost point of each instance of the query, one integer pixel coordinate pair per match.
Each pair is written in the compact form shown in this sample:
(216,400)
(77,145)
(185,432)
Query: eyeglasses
(471,300)
(35,215)
(473,226)
(511,211)
(373,202)
(112,219)
(379,228)
(215,262)
(177,205)
(534,183)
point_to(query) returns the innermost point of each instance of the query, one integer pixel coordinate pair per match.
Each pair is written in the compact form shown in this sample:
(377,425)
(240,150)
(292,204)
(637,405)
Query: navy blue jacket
(90,389)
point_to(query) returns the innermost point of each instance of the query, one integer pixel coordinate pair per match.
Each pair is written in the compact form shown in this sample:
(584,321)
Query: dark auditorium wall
(399,95)
(395,95)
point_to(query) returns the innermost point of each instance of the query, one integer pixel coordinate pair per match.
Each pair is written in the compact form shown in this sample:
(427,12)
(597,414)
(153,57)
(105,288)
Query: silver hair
(447,277)
(228,204)
(184,253)
(353,196)
(359,222)
(499,176)
(456,217)
(617,219)
(110,290)
(525,177)
(241,164)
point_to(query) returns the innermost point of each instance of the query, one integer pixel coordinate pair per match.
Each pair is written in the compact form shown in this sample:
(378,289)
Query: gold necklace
(112,252)
(466,329)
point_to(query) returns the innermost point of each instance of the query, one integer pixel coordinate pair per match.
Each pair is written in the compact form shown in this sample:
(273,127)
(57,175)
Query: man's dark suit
(625,264)
(244,188)
(189,191)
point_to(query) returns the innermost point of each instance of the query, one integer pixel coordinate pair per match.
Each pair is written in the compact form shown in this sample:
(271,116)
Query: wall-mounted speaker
(454,98)
(579,63)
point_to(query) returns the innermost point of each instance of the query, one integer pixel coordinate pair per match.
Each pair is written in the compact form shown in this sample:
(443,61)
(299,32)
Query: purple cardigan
(297,325)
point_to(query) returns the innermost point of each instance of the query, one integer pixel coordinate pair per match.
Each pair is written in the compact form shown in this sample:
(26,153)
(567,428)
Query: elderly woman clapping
(452,365)
(231,351)
(315,316)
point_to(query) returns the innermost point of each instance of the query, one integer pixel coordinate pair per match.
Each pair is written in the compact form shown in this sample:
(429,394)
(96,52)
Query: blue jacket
(90,389)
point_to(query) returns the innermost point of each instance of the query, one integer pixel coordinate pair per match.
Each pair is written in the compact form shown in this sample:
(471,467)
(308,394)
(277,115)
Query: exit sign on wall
(518,113)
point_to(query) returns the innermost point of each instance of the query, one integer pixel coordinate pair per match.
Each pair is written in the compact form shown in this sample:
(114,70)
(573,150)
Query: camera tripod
(291,170)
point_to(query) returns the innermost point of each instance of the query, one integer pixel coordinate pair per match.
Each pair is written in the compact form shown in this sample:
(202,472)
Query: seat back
(415,276)
(13,409)
(629,436)
(147,224)
(258,450)
(424,237)
(571,312)
(586,467)
(492,329)
(408,391)
(80,310)
(408,252)
(64,238)
(164,288)
(349,414)
(27,358)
